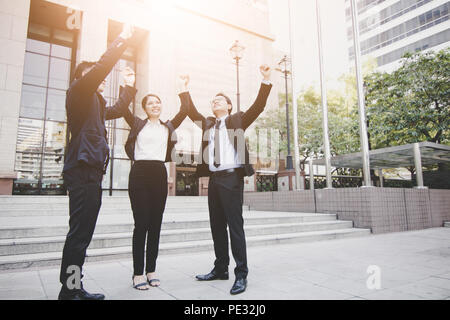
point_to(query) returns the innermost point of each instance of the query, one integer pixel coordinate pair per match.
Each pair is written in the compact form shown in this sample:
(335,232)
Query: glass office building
(390,28)
(43,41)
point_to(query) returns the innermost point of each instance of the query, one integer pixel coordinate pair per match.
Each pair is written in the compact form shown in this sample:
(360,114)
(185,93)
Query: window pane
(114,80)
(28,171)
(106,178)
(52,181)
(39,30)
(28,166)
(55,137)
(35,69)
(59,73)
(56,105)
(38,46)
(29,135)
(32,102)
(25,187)
(61,52)
(109,125)
(63,35)
(119,148)
(108,88)
(121,172)
(121,123)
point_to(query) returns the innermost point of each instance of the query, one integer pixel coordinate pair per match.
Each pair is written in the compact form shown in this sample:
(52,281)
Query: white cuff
(267,82)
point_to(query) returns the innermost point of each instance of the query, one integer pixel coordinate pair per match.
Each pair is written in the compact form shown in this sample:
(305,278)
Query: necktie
(217,145)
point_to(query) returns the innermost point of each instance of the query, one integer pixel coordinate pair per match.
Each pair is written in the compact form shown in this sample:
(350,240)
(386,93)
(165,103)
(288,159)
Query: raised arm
(90,82)
(181,115)
(127,93)
(118,110)
(185,97)
(258,106)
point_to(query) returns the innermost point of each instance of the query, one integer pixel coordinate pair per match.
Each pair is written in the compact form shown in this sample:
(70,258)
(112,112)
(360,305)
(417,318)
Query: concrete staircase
(33,229)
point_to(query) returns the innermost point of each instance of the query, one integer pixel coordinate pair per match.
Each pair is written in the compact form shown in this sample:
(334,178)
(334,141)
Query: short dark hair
(221,94)
(80,69)
(145,99)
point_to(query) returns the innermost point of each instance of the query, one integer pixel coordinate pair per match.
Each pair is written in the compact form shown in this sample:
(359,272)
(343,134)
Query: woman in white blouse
(149,145)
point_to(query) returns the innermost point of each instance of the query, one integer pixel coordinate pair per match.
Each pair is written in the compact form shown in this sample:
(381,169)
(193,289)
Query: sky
(306,61)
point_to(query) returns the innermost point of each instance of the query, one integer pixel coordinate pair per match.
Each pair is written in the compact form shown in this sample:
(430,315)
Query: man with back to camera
(225,159)
(87,157)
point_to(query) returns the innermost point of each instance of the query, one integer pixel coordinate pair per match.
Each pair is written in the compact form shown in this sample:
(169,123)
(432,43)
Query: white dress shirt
(229,158)
(151,142)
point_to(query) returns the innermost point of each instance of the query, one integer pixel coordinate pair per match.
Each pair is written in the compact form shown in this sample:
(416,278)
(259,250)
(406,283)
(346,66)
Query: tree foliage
(411,104)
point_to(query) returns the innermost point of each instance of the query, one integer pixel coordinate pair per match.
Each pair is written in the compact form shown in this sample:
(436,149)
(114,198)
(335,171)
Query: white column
(311,175)
(14,17)
(380,174)
(418,164)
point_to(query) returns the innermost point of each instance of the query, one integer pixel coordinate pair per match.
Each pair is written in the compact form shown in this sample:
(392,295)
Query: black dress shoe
(80,294)
(213,275)
(239,286)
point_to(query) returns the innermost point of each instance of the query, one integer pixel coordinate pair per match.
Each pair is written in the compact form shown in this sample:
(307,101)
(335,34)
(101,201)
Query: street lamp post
(237,51)
(283,69)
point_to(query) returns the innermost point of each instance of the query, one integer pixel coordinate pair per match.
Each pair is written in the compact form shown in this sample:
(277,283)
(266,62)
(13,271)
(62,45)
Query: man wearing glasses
(225,159)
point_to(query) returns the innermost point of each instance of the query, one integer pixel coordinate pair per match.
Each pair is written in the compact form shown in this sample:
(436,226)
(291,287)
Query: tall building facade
(390,28)
(43,41)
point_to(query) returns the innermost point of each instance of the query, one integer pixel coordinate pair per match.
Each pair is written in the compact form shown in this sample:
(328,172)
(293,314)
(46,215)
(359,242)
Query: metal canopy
(393,157)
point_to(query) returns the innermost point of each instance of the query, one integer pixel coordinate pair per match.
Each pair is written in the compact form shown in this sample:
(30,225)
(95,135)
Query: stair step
(105,199)
(41,212)
(41,227)
(53,258)
(56,244)
(33,229)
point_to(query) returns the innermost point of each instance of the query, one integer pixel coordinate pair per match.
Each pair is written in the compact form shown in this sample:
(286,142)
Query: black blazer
(87,112)
(137,124)
(240,120)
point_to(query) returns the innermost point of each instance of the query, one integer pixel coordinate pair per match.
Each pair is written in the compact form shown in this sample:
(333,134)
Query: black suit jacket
(87,112)
(237,122)
(137,124)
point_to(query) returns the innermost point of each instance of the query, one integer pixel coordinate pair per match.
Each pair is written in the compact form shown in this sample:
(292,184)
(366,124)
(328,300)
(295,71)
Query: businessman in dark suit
(87,158)
(225,159)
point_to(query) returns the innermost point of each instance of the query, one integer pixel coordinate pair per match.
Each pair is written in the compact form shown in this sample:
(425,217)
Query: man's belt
(225,172)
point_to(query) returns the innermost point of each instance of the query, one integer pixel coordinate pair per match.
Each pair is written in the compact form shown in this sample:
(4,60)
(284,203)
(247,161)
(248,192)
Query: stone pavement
(412,265)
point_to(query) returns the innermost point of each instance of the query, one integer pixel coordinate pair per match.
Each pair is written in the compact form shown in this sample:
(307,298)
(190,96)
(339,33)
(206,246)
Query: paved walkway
(412,265)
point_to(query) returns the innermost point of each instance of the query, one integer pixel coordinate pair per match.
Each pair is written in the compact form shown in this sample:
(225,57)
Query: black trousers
(148,194)
(84,184)
(225,200)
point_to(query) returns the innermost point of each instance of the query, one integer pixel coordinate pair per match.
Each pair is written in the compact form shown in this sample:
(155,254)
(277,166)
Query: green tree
(411,104)
(310,134)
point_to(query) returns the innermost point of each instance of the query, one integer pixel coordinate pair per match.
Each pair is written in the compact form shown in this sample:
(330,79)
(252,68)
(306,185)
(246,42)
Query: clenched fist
(127,31)
(129,76)
(266,71)
(182,83)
